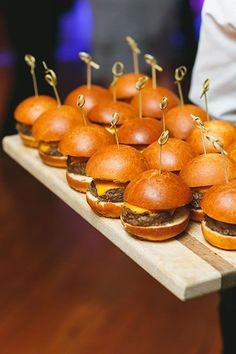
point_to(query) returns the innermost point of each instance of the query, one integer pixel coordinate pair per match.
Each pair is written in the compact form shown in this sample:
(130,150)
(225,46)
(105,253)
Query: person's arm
(216,59)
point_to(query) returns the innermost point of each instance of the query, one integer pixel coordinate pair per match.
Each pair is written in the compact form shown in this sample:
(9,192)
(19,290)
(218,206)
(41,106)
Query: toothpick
(140,84)
(180,73)
(51,79)
(205,89)
(162,141)
(155,67)
(218,145)
(80,103)
(136,51)
(202,128)
(117,71)
(115,120)
(163,106)
(30,60)
(87,59)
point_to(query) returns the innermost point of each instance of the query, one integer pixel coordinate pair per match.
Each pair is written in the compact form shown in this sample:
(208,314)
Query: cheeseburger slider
(155,206)
(219,224)
(111,168)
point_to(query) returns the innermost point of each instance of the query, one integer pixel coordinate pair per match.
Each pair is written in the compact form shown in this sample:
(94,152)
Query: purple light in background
(196,6)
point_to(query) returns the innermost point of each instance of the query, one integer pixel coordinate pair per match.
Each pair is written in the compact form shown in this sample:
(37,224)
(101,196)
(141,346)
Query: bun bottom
(54,161)
(217,239)
(78,182)
(196,215)
(107,209)
(28,140)
(161,232)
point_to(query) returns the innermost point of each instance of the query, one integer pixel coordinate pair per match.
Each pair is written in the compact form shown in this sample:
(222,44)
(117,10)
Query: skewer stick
(163,106)
(80,103)
(205,89)
(136,51)
(162,141)
(115,120)
(203,130)
(30,60)
(140,84)
(218,145)
(51,79)
(155,67)
(180,73)
(87,59)
(117,71)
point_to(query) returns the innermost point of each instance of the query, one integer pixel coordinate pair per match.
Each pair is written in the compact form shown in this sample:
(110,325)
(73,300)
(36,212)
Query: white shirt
(216,59)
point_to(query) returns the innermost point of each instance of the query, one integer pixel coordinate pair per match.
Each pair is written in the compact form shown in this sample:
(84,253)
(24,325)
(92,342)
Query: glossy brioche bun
(207,170)
(224,131)
(84,141)
(126,86)
(154,191)
(28,140)
(107,209)
(102,112)
(141,131)
(217,239)
(78,182)
(118,164)
(232,151)
(175,155)
(161,232)
(196,215)
(31,108)
(53,124)
(92,96)
(179,122)
(151,99)
(55,161)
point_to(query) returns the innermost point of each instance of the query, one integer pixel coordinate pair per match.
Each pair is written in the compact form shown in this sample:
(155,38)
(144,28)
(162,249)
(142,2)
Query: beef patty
(77,165)
(24,129)
(146,218)
(221,227)
(52,148)
(115,195)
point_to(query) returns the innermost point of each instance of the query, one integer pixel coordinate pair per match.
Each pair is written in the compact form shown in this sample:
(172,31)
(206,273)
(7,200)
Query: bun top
(126,85)
(224,131)
(151,99)
(179,122)
(102,112)
(116,164)
(154,191)
(32,107)
(92,96)
(175,155)
(219,202)
(53,124)
(84,141)
(207,170)
(141,131)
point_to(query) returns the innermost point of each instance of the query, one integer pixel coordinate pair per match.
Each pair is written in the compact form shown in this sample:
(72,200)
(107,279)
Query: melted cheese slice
(136,209)
(44,147)
(103,187)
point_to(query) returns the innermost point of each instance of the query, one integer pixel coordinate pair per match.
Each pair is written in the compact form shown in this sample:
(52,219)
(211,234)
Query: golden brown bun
(162,232)
(151,99)
(84,141)
(107,209)
(31,108)
(28,140)
(126,85)
(232,151)
(79,184)
(175,155)
(196,215)
(92,96)
(55,123)
(102,112)
(55,161)
(179,122)
(116,164)
(224,131)
(142,131)
(217,239)
(219,202)
(154,191)
(207,170)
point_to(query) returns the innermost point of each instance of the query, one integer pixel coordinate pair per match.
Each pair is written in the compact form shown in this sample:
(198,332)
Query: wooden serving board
(188,266)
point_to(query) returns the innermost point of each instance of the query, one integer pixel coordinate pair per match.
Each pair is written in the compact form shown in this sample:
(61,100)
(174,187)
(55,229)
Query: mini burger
(50,128)
(155,206)
(26,114)
(79,144)
(219,224)
(112,168)
(201,173)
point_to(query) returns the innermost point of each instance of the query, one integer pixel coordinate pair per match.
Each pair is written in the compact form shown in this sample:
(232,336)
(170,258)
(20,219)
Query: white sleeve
(216,59)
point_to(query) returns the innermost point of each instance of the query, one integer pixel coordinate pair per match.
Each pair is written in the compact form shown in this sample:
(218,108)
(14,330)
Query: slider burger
(175,155)
(179,122)
(111,168)
(155,206)
(219,224)
(201,173)
(26,114)
(79,144)
(50,128)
